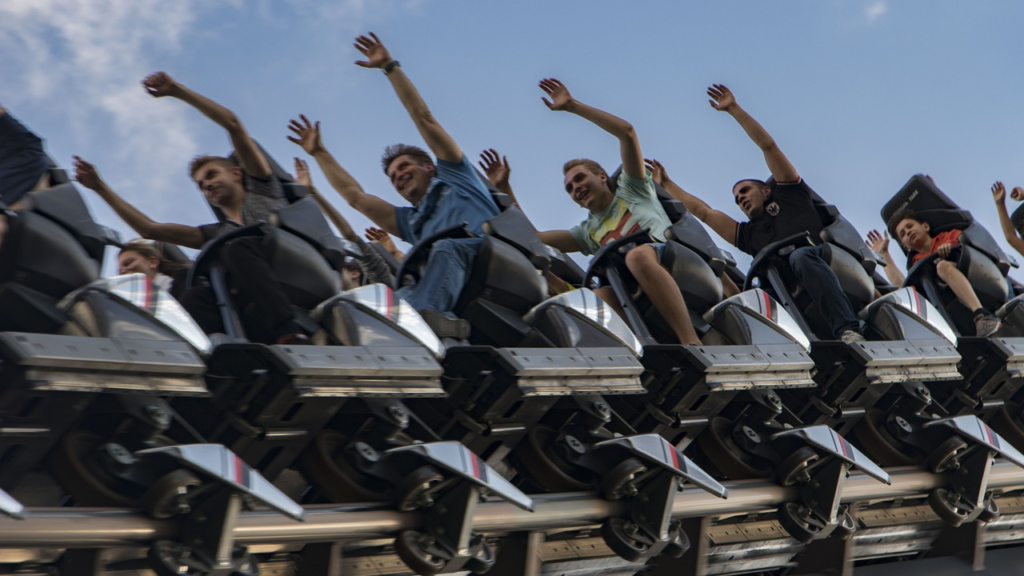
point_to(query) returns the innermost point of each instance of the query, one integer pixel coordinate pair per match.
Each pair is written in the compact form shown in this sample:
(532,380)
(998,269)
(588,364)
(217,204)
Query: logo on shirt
(772,209)
(611,228)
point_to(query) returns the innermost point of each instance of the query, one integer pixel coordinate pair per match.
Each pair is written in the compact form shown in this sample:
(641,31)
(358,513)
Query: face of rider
(220,184)
(410,177)
(912,234)
(750,196)
(587,189)
(131,262)
(351,277)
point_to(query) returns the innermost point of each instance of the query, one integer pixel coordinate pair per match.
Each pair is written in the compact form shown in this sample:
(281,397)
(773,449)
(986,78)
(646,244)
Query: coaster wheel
(793,468)
(621,536)
(797,520)
(946,505)
(618,482)
(879,444)
(74,464)
(412,490)
(484,559)
(412,547)
(991,511)
(326,464)
(536,456)
(847,525)
(724,454)
(943,457)
(165,498)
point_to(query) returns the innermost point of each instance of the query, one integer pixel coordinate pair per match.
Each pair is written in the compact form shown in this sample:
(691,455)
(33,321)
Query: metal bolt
(119,453)
(774,399)
(575,444)
(904,425)
(752,434)
(366,451)
(601,408)
(158,415)
(399,415)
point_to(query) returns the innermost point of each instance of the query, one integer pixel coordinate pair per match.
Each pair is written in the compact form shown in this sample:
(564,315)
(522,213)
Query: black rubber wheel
(792,469)
(616,534)
(536,459)
(991,511)
(409,547)
(484,559)
(879,445)
(324,463)
(73,463)
(164,497)
(616,482)
(169,558)
(724,454)
(941,502)
(801,526)
(847,526)
(678,541)
(410,491)
(940,459)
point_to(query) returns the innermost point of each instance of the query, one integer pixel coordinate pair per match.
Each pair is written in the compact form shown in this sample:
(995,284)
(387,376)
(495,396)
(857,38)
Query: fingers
(547,103)
(504,160)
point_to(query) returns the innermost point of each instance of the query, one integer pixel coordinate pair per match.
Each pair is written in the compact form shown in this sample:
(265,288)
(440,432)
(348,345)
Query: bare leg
(729,288)
(642,261)
(608,295)
(956,280)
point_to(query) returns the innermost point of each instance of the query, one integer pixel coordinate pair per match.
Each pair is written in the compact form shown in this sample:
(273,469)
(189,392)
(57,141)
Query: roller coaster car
(273,402)
(84,362)
(993,367)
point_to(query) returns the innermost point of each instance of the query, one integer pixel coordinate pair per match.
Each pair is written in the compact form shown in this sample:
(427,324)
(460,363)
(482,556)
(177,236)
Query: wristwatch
(387,68)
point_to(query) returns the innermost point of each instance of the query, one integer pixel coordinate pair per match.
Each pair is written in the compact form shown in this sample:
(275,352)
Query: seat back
(302,271)
(503,275)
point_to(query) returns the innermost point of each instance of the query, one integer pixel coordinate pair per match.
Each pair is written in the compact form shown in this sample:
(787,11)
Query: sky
(860,94)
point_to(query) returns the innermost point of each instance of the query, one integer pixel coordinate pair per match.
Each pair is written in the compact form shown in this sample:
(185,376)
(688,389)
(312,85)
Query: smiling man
(442,194)
(240,194)
(632,207)
(774,214)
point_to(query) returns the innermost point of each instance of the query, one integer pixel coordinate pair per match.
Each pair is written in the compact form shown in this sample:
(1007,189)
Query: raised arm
(1009,232)
(249,156)
(440,143)
(720,222)
(302,177)
(385,240)
(188,236)
(880,243)
(307,136)
(723,100)
(629,144)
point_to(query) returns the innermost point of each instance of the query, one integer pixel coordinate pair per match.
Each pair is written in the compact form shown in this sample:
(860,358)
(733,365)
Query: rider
(241,194)
(632,207)
(776,213)
(443,194)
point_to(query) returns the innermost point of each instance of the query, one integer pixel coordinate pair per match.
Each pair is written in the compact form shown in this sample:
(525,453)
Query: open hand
(302,173)
(721,97)
(944,250)
(560,96)
(308,135)
(496,167)
(878,242)
(658,173)
(86,174)
(999,192)
(381,237)
(159,85)
(371,47)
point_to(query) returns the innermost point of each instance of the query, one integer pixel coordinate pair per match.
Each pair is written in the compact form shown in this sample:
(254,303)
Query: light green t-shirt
(634,208)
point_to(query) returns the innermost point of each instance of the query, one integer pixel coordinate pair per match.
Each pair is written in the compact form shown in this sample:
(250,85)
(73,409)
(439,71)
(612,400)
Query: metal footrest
(82,364)
(752,366)
(339,371)
(892,362)
(568,371)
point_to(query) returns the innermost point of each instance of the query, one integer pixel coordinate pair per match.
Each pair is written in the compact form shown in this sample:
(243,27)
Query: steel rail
(98,528)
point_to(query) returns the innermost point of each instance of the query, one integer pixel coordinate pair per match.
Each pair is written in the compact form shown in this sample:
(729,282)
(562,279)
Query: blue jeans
(448,267)
(824,289)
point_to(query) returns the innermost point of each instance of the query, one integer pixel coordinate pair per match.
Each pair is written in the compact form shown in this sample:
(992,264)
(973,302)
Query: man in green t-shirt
(632,207)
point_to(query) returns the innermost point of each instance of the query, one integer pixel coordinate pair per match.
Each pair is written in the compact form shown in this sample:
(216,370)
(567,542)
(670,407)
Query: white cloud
(83,59)
(876,10)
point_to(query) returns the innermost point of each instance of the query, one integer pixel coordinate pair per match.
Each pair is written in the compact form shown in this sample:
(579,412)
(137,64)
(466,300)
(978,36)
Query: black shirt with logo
(796,214)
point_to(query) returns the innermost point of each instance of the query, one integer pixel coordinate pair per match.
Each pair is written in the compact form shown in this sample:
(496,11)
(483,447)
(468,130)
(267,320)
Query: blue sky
(860,94)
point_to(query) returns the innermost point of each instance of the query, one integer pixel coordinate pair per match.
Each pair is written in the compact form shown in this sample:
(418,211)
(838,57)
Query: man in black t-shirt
(776,214)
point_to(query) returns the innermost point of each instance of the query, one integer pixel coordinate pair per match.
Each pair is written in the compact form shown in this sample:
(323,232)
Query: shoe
(986,325)
(852,336)
(446,326)
(298,339)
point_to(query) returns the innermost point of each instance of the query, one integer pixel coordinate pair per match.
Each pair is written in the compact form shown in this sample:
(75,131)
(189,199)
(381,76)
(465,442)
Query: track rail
(99,528)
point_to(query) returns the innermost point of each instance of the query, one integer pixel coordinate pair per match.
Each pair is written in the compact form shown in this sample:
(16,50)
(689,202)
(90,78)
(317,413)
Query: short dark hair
(904,214)
(202,160)
(760,183)
(594,167)
(395,150)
